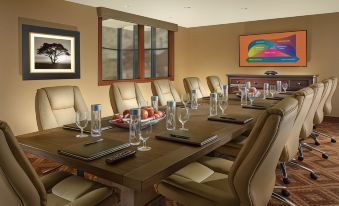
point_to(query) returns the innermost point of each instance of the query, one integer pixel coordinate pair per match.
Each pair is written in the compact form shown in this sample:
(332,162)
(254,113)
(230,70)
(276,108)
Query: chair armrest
(50,180)
(95,197)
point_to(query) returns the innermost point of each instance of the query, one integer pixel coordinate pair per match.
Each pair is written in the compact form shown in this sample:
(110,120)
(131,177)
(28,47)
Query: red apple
(144,114)
(160,113)
(117,116)
(156,116)
(252,90)
(150,111)
(125,112)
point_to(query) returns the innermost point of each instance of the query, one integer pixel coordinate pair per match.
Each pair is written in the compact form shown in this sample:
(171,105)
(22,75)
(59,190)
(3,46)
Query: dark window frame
(140,71)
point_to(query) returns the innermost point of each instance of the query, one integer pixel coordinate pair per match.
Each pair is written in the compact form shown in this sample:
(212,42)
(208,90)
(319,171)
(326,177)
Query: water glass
(213,104)
(96,120)
(81,120)
(170,115)
(225,91)
(183,117)
(266,90)
(144,135)
(251,97)
(248,85)
(273,90)
(155,102)
(285,86)
(243,91)
(134,126)
(185,98)
(223,104)
(278,86)
(194,99)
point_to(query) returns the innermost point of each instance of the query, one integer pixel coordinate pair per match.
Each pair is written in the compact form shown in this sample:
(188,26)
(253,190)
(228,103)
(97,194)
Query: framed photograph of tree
(50,53)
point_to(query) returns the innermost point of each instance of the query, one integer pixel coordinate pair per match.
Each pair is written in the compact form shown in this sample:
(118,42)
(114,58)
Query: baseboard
(331,119)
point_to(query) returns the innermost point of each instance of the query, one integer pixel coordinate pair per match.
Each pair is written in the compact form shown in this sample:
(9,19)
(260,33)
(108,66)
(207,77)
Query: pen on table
(93,142)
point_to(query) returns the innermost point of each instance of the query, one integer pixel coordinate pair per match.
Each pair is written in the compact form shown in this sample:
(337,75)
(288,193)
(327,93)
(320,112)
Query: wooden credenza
(295,82)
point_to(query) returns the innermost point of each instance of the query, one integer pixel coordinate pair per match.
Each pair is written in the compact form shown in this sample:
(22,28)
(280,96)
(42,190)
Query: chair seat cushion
(72,188)
(205,179)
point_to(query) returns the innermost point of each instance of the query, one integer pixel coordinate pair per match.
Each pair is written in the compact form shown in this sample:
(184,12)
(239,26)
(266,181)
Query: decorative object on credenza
(50,53)
(271,72)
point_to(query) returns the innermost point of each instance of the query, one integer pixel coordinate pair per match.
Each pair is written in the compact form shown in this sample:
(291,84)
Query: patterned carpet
(304,191)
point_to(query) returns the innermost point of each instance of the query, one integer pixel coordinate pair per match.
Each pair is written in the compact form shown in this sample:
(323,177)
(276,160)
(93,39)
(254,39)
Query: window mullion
(153,56)
(119,69)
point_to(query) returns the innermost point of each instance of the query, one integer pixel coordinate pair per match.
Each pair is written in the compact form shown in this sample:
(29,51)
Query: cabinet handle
(299,83)
(238,82)
(255,83)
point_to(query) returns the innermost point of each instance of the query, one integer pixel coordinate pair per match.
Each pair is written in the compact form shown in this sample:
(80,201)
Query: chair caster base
(324,155)
(285,193)
(300,158)
(313,176)
(316,142)
(333,140)
(286,180)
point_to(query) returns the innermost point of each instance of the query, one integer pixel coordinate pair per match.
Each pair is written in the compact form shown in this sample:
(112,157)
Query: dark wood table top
(146,168)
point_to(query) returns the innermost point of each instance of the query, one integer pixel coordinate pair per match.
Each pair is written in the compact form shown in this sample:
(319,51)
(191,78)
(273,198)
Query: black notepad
(105,125)
(93,151)
(232,118)
(187,137)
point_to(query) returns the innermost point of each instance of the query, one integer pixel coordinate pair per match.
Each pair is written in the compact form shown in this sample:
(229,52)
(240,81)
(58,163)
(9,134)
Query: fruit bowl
(124,122)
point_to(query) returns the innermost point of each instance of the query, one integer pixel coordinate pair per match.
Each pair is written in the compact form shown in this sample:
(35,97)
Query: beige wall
(213,50)
(199,52)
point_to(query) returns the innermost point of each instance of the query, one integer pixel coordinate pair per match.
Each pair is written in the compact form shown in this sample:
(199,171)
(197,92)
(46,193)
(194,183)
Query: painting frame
(41,64)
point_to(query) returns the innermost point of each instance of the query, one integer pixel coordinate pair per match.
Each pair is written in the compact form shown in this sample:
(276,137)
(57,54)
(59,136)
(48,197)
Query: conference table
(135,177)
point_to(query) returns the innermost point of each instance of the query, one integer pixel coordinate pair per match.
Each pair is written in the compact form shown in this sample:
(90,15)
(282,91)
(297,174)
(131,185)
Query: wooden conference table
(136,176)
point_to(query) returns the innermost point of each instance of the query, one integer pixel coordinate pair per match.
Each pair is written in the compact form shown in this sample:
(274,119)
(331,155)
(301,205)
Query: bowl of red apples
(148,117)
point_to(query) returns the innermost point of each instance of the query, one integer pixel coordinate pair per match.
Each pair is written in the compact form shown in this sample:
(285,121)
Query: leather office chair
(165,90)
(20,184)
(125,95)
(56,106)
(307,128)
(146,91)
(325,107)
(191,83)
(214,84)
(250,179)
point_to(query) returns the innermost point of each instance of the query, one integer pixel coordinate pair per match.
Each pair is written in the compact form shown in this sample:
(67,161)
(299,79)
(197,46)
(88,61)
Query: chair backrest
(252,176)
(319,114)
(307,128)
(56,106)
(304,97)
(19,184)
(124,96)
(191,83)
(328,103)
(214,84)
(165,90)
(146,91)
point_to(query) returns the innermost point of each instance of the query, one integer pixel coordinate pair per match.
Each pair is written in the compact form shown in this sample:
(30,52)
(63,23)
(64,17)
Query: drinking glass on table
(81,120)
(183,116)
(273,90)
(145,134)
(223,104)
(266,90)
(185,98)
(284,86)
(251,96)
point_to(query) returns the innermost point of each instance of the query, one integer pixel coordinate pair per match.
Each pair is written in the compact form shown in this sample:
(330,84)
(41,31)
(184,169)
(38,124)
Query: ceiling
(195,13)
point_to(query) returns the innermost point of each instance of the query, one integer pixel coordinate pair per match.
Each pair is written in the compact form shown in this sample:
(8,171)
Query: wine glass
(81,120)
(251,96)
(144,134)
(183,117)
(273,90)
(223,104)
(284,86)
(185,98)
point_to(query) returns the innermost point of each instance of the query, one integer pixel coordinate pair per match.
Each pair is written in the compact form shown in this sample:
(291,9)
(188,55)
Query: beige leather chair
(328,103)
(214,84)
(307,128)
(325,106)
(20,185)
(250,179)
(191,83)
(125,95)
(165,90)
(146,92)
(56,106)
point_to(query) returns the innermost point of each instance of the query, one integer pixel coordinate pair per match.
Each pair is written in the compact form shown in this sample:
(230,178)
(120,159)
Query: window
(131,52)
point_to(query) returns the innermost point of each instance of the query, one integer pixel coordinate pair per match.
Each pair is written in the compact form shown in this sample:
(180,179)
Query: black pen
(93,142)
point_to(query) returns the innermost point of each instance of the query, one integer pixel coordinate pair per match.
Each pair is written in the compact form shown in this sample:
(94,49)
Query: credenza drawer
(299,83)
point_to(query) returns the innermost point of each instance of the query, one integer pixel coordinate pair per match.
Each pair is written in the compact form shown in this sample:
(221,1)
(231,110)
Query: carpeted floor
(304,191)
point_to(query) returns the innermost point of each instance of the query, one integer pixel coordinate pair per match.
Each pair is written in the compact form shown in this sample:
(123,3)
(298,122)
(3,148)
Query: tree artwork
(53,51)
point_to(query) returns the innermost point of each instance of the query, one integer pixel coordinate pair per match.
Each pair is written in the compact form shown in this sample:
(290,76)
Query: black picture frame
(29,68)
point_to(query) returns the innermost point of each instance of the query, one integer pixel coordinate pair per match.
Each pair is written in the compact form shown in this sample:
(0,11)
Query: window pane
(127,64)
(161,38)
(129,36)
(161,63)
(148,63)
(109,37)
(147,37)
(109,64)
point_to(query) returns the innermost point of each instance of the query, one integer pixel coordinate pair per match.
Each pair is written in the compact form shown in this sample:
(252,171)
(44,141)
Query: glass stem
(183,125)
(81,131)
(144,143)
